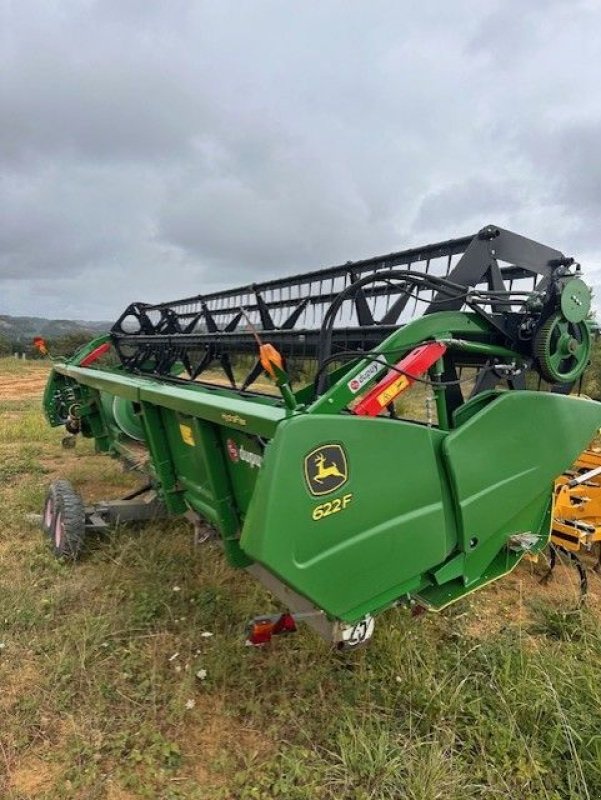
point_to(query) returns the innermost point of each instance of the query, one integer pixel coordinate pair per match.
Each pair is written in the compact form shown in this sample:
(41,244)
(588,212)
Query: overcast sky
(150,150)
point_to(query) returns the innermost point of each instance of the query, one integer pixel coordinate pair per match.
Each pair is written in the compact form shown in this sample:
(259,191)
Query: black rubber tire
(64,520)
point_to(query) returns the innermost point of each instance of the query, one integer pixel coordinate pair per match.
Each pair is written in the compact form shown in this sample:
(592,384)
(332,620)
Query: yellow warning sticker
(187,435)
(391,392)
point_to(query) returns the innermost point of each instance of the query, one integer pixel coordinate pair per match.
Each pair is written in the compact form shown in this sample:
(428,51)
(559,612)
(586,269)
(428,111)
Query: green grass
(21,423)
(100,694)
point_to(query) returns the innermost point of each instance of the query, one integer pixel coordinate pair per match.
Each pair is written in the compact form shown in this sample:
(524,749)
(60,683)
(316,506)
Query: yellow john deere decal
(326,469)
(187,435)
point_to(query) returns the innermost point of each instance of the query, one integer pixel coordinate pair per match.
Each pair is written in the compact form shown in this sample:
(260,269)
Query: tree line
(64,345)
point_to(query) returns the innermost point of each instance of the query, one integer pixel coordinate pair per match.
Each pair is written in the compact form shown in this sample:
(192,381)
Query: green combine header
(273,415)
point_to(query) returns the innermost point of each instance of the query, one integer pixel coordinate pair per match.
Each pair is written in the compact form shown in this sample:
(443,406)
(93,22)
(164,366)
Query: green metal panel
(244,458)
(438,597)
(103,380)
(228,410)
(471,407)
(185,442)
(259,415)
(201,476)
(162,461)
(396,523)
(503,461)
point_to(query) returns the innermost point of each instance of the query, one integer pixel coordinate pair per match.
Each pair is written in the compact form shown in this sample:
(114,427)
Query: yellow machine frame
(577,510)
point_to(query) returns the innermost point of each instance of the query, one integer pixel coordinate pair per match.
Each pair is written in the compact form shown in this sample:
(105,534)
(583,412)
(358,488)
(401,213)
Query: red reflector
(262,629)
(285,624)
(397,380)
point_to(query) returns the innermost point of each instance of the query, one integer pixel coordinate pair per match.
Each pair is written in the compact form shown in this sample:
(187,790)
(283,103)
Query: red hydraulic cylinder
(412,366)
(95,354)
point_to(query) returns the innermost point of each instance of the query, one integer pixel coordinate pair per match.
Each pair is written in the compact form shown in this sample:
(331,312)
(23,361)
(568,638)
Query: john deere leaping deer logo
(326,469)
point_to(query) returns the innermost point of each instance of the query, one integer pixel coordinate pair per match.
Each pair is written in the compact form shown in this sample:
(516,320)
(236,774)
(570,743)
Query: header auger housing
(270,412)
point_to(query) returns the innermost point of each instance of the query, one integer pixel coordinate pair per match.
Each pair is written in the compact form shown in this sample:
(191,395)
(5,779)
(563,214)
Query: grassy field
(126,676)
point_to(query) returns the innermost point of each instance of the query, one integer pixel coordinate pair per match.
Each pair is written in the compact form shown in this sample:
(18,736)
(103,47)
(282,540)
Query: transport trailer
(273,414)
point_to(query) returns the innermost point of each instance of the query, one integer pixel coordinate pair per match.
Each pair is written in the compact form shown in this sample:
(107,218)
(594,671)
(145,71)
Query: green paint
(398,524)
(420,498)
(502,463)
(352,512)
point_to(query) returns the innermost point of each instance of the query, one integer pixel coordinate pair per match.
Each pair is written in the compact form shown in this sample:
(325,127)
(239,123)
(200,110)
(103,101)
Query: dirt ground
(28,384)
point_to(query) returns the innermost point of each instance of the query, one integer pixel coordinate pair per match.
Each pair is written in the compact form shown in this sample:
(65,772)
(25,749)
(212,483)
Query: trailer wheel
(64,520)
(48,513)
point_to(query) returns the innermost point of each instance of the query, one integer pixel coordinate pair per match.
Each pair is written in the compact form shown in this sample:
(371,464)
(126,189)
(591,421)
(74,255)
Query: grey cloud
(151,149)
(95,101)
(487,198)
(569,156)
(69,217)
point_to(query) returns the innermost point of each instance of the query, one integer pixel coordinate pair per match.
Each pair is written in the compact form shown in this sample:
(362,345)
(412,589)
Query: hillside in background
(25,328)
(21,330)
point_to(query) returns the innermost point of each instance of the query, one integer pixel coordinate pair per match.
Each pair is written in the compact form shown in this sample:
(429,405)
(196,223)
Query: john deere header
(270,413)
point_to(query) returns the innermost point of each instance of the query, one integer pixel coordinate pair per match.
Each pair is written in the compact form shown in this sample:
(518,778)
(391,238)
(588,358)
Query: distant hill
(21,330)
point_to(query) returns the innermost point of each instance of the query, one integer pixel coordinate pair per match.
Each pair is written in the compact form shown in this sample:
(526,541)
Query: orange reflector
(40,345)
(269,357)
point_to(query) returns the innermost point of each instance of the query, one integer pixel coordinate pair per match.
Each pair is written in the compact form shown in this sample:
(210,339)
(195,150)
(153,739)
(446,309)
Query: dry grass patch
(34,777)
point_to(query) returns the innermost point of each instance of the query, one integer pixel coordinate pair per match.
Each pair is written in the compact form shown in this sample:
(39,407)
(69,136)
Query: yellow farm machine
(576,527)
